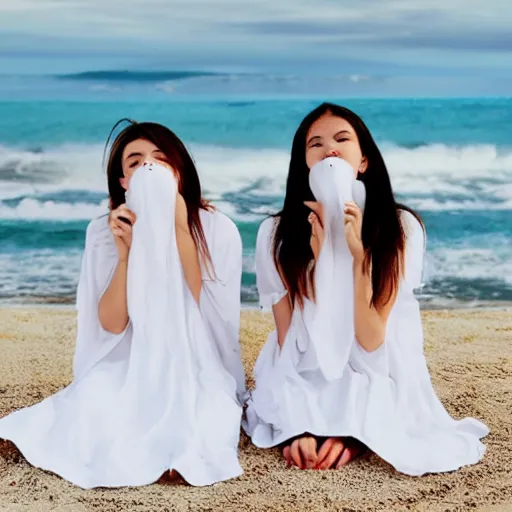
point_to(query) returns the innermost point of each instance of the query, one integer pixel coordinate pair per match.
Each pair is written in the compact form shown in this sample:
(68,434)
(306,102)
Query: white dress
(167,392)
(324,383)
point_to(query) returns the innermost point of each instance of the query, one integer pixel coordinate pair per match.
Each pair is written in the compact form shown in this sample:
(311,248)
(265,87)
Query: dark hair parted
(177,156)
(382,233)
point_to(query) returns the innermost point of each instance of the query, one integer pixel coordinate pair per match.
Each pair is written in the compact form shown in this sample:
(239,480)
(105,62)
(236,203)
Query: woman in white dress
(158,384)
(344,368)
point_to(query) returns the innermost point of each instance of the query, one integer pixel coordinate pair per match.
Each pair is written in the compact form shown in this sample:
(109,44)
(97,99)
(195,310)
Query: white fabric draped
(167,392)
(323,382)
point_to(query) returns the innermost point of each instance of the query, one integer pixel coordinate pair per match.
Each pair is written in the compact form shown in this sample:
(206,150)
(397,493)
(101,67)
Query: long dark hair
(382,233)
(180,160)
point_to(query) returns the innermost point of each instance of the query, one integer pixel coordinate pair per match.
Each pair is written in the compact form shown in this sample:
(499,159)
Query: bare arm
(190,262)
(113,308)
(370,321)
(269,280)
(187,249)
(282,318)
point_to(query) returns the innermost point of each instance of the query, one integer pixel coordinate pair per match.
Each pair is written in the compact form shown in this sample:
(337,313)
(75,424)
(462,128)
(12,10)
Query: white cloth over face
(162,394)
(324,383)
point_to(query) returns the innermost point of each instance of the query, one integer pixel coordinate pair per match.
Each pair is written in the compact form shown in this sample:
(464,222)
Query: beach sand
(470,357)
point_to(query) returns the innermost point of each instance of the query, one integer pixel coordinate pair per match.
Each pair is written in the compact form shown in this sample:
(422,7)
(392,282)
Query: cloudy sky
(368,37)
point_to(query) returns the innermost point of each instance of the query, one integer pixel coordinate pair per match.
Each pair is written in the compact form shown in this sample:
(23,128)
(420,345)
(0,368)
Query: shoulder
(97,229)
(265,240)
(413,227)
(415,247)
(224,223)
(98,225)
(99,238)
(220,228)
(267,229)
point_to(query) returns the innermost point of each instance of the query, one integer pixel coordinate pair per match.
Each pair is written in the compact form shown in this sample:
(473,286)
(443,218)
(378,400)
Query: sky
(366,38)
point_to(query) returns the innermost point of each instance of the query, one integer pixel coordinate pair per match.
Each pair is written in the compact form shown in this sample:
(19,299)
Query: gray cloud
(387,35)
(496,41)
(433,29)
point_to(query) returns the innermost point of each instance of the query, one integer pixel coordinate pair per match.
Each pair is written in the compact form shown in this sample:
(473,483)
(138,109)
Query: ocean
(450,159)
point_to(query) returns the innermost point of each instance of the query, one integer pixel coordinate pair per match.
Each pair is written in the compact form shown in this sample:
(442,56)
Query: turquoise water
(449,159)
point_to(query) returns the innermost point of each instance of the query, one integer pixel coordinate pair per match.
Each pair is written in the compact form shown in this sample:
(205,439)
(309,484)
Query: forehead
(139,146)
(328,125)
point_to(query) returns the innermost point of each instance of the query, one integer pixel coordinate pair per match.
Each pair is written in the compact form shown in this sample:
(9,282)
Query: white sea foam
(434,177)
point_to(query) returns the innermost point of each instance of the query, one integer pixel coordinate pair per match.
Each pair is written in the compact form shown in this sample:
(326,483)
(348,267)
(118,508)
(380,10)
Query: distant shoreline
(64,303)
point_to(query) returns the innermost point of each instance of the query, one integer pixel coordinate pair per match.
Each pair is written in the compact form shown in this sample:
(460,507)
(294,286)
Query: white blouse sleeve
(415,246)
(220,296)
(98,265)
(271,288)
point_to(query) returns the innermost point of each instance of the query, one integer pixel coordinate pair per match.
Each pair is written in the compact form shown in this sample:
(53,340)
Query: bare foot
(335,452)
(301,452)
(287,456)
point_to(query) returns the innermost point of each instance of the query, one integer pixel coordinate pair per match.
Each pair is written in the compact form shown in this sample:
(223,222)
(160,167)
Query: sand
(469,354)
